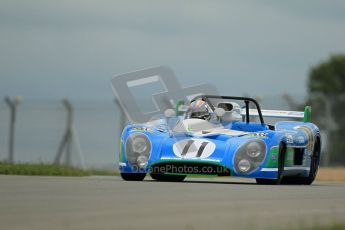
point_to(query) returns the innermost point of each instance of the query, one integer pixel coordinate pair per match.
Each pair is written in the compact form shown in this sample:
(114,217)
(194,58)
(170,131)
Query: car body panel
(219,147)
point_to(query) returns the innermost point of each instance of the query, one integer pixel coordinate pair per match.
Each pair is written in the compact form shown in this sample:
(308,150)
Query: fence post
(12,104)
(66,142)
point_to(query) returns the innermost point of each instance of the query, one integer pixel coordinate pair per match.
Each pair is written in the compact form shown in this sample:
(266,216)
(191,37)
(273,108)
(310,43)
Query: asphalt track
(50,203)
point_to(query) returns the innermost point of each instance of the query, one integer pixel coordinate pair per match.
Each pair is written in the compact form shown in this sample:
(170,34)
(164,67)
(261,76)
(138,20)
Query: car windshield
(201,115)
(195,125)
(236,109)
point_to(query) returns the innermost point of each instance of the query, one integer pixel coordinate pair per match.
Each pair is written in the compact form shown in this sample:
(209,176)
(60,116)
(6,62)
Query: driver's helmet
(200,109)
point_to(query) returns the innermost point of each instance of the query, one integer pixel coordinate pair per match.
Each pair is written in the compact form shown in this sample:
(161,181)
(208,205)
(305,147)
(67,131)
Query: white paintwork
(202,128)
(193,125)
(274,113)
(193,149)
(218,131)
(285,168)
(269,170)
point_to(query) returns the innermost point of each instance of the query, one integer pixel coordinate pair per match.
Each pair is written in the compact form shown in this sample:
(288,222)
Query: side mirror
(220,112)
(169,113)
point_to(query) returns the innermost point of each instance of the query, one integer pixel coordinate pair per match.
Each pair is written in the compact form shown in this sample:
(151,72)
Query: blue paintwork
(294,134)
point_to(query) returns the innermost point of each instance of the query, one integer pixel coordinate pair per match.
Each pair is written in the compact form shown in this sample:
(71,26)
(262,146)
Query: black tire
(281,163)
(314,166)
(133,176)
(170,178)
(293,180)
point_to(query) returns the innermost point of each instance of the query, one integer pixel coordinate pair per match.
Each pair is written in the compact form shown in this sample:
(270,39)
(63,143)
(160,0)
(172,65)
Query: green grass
(49,170)
(100,172)
(329,227)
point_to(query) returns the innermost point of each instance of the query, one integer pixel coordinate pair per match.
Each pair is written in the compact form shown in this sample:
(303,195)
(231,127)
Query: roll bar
(245,99)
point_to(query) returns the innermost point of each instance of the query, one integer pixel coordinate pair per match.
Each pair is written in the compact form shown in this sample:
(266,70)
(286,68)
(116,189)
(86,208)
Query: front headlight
(244,165)
(138,149)
(249,156)
(254,149)
(139,144)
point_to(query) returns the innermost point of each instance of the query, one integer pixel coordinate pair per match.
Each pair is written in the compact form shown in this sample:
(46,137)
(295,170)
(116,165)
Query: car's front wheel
(133,176)
(171,178)
(281,163)
(314,166)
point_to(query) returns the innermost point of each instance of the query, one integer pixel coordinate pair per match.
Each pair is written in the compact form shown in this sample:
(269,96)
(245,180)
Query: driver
(200,110)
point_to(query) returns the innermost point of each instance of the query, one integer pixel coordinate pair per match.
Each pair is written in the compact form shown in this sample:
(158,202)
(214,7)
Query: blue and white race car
(223,136)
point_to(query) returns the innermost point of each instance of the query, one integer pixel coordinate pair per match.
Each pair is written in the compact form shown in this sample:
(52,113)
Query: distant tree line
(326,95)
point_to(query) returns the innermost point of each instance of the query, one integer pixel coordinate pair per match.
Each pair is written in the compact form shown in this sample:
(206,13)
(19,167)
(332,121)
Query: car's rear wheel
(281,163)
(133,176)
(164,177)
(314,166)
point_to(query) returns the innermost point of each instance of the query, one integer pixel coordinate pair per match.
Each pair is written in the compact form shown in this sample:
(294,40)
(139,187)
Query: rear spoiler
(281,113)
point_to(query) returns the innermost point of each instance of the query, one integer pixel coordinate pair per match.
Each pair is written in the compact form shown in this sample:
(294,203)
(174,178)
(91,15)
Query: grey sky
(54,49)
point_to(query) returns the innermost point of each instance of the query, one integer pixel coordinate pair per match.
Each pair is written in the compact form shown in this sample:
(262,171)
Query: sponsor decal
(300,139)
(262,135)
(310,135)
(289,138)
(293,138)
(142,129)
